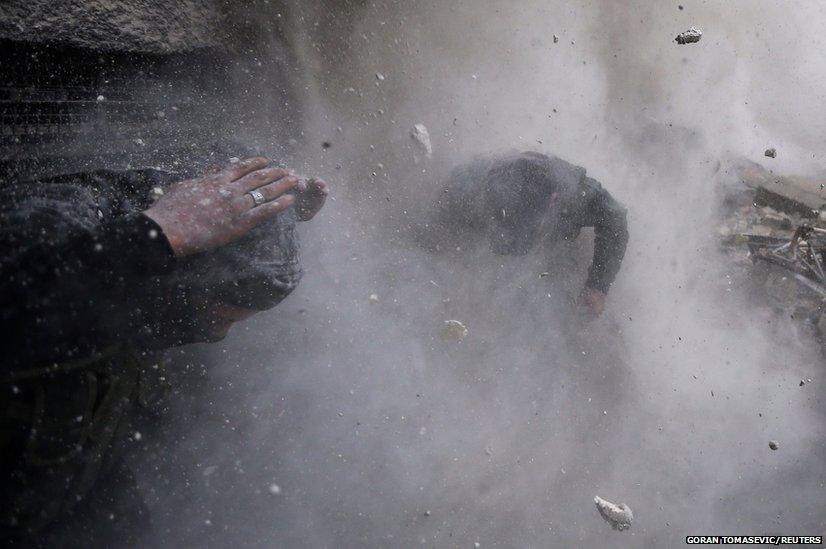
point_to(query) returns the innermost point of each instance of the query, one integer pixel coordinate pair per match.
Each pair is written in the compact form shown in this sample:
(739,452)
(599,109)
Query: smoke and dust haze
(337,420)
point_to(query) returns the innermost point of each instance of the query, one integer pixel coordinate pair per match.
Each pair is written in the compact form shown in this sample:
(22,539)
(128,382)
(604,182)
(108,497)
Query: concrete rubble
(690,36)
(454,330)
(773,231)
(421,137)
(618,516)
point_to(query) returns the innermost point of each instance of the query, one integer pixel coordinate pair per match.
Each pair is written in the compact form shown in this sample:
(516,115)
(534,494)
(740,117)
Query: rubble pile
(775,227)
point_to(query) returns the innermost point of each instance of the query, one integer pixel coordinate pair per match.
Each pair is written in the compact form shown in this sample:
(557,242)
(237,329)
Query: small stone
(274,489)
(771,153)
(379,77)
(774,445)
(618,516)
(234,160)
(690,36)
(421,136)
(556,39)
(137,436)
(374,298)
(454,330)
(427,513)
(101,98)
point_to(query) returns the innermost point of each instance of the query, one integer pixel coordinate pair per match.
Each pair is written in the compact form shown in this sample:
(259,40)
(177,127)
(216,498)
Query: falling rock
(421,136)
(618,516)
(690,36)
(771,153)
(453,330)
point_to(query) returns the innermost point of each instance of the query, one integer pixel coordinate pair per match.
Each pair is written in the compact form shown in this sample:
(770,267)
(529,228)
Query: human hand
(593,300)
(204,213)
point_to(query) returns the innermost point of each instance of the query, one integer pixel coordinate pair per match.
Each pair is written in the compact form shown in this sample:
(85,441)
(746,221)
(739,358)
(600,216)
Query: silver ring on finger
(257,197)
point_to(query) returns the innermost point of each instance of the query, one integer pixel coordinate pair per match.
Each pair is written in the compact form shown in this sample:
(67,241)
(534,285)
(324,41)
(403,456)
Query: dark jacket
(77,265)
(508,199)
(88,285)
(81,268)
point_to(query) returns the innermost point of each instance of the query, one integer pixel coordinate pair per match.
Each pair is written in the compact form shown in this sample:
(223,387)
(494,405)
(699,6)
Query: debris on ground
(421,136)
(379,77)
(374,298)
(774,234)
(774,445)
(454,330)
(690,36)
(556,39)
(618,516)
(771,153)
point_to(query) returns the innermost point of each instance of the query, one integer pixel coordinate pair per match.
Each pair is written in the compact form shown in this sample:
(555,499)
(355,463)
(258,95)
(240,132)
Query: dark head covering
(517,196)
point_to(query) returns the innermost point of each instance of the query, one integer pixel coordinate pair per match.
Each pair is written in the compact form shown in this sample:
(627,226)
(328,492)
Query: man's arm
(60,278)
(65,274)
(608,217)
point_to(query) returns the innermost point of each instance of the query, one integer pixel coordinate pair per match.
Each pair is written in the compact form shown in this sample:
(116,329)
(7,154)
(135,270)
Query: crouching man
(518,200)
(97,270)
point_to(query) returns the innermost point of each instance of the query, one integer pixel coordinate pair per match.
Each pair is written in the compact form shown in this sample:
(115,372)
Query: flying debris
(454,330)
(618,516)
(421,136)
(690,36)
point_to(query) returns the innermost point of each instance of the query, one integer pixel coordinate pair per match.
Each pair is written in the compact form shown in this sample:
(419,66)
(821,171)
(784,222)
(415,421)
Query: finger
(259,178)
(272,191)
(258,215)
(242,168)
(213,169)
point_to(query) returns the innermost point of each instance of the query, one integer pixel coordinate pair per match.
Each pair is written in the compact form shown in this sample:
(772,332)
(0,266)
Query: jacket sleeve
(63,272)
(608,218)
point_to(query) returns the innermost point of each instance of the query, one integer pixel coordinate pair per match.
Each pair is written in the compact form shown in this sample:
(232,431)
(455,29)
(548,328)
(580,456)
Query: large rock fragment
(618,516)
(690,36)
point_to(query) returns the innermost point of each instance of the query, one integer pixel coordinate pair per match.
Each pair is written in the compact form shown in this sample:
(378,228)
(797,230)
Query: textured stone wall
(148,26)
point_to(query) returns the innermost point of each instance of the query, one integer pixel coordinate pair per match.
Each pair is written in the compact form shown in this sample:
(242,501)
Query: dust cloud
(337,420)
